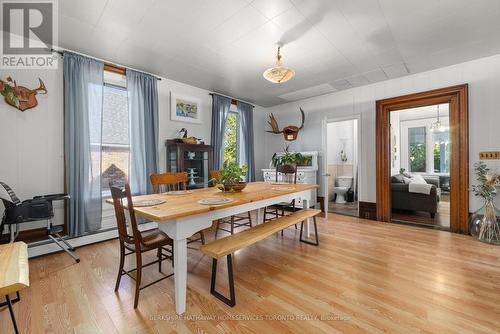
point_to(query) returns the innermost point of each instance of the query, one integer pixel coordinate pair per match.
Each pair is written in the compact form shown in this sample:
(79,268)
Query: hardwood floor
(365,275)
(441,219)
(348,208)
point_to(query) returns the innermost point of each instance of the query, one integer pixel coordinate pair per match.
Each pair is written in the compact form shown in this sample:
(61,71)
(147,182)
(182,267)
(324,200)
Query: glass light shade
(279,74)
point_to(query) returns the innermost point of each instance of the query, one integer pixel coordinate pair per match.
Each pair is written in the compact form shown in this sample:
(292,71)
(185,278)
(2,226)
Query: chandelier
(279,73)
(437,125)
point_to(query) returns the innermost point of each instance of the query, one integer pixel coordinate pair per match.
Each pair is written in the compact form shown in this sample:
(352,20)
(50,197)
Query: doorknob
(328,174)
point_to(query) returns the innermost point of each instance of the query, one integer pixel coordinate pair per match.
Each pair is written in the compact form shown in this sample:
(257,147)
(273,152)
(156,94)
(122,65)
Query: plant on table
(231,177)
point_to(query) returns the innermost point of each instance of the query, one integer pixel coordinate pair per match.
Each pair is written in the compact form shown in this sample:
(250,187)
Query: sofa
(402,199)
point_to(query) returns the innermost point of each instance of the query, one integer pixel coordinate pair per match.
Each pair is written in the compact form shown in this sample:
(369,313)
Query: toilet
(342,185)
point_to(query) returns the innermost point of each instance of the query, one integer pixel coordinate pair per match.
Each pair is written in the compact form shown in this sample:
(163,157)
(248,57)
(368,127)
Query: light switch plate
(489,155)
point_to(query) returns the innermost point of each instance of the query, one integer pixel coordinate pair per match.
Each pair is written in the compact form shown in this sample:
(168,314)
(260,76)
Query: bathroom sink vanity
(305,174)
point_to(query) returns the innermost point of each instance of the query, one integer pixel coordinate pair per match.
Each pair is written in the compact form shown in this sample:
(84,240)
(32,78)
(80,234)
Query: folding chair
(35,209)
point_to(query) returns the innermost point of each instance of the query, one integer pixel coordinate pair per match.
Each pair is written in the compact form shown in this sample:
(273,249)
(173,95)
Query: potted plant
(289,158)
(484,224)
(230,179)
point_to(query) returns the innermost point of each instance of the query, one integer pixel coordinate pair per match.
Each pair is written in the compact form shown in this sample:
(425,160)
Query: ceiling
(225,45)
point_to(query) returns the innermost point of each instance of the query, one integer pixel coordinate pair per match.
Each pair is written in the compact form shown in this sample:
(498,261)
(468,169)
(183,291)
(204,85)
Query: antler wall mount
(290,132)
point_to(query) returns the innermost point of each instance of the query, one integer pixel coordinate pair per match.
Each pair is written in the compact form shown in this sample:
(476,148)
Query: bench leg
(316,243)
(232,298)
(11,310)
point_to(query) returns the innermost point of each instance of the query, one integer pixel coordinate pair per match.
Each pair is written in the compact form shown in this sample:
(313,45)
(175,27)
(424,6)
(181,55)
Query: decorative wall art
(20,97)
(290,132)
(184,108)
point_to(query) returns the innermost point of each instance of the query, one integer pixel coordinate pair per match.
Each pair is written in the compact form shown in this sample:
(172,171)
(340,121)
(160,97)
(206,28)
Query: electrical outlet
(489,155)
(367,215)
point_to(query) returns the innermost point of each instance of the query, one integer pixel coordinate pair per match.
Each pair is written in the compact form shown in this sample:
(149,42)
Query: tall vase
(484,224)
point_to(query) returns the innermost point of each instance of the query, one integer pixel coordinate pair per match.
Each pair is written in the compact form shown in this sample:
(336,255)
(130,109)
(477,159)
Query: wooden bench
(228,245)
(14,273)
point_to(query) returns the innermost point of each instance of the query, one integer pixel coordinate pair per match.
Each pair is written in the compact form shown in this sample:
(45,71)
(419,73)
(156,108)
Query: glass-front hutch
(195,159)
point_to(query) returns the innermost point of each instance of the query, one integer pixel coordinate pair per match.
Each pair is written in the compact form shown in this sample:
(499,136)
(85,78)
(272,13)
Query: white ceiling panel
(396,70)
(341,84)
(225,45)
(241,23)
(375,75)
(271,9)
(308,92)
(358,80)
(291,19)
(88,11)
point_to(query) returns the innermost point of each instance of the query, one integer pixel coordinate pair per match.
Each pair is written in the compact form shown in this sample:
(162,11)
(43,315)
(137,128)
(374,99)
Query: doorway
(455,99)
(341,165)
(420,166)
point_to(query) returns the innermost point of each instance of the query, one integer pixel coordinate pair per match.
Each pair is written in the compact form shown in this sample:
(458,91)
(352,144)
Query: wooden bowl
(235,187)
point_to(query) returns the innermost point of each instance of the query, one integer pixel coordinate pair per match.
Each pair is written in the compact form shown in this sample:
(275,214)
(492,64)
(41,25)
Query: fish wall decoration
(20,97)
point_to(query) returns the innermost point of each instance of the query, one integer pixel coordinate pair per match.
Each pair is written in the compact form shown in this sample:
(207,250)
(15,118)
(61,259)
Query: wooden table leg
(180,274)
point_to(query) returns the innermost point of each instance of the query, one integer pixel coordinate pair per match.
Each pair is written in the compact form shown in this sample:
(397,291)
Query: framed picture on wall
(185,108)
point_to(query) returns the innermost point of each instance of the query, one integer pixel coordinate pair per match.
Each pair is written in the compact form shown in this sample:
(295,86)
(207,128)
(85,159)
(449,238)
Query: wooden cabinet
(195,159)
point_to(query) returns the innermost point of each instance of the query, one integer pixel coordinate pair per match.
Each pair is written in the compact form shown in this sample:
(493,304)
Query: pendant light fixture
(437,125)
(279,73)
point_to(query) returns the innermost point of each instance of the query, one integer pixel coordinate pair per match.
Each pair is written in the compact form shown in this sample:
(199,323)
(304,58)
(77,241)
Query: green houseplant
(230,178)
(290,158)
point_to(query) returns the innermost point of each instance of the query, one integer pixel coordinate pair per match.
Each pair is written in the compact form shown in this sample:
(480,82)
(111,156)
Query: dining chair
(133,241)
(235,221)
(284,174)
(173,181)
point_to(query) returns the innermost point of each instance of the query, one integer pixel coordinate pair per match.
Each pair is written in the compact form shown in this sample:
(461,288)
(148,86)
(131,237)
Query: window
(115,142)
(417,149)
(115,147)
(441,152)
(231,136)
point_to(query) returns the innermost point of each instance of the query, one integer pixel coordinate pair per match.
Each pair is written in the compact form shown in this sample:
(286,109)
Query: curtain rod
(232,98)
(105,62)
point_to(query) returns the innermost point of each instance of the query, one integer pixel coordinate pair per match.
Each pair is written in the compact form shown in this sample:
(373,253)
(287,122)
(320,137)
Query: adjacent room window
(417,149)
(441,153)
(231,136)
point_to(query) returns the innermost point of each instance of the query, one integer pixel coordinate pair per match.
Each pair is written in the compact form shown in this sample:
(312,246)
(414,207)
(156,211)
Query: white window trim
(429,142)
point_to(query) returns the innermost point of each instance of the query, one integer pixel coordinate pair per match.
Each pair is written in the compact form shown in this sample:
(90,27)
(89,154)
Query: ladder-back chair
(235,221)
(173,181)
(133,241)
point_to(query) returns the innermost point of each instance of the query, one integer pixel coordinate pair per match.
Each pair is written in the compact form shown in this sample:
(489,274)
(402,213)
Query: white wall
(482,75)
(32,148)
(340,137)
(31,145)
(168,129)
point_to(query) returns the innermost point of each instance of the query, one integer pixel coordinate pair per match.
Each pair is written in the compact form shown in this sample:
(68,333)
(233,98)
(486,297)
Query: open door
(340,165)
(324,176)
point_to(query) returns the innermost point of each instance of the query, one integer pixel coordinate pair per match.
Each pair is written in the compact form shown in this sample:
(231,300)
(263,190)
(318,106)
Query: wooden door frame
(457,97)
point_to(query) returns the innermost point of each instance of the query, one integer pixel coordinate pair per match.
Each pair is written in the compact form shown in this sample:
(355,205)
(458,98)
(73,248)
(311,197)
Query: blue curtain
(246,149)
(83,93)
(143,110)
(220,111)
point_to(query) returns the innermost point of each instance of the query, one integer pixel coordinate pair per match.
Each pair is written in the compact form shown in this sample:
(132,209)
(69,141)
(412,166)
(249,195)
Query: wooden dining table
(181,216)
